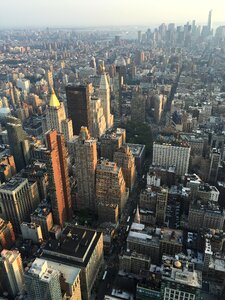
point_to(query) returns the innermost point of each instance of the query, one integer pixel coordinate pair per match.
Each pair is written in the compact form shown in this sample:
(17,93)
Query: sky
(75,13)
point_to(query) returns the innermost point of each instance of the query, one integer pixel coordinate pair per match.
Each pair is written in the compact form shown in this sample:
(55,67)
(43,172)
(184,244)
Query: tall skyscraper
(11,272)
(56,117)
(78,106)
(210,21)
(43,282)
(55,157)
(16,202)
(18,144)
(98,123)
(104,94)
(85,168)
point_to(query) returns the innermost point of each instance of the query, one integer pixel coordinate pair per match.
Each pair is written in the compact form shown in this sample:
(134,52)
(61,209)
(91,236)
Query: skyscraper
(210,21)
(78,105)
(85,168)
(18,144)
(11,272)
(43,282)
(125,159)
(104,94)
(55,157)
(56,117)
(111,192)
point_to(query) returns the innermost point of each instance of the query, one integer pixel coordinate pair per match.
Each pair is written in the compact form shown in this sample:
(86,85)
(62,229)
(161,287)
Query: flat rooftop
(136,149)
(75,245)
(13,184)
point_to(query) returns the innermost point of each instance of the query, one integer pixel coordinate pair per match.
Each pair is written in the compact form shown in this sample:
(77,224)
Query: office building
(55,158)
(16,202)
(133,262)
(167,155)
(7,236)
(110,187)
(42,281)
(56,117)
(78,106)
(124,158)
(154,242)
(31,231)
(104,94)
(7,167)
(138,152)
(161,205)
(205,215)
(43,216)
(11,272)
(215,159)
(98,122)
(111,141)
(138,107)
(18,145)
(81,248)
(85,168)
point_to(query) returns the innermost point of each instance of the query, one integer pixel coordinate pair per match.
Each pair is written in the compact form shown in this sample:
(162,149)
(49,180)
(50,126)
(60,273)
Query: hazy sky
(52,13)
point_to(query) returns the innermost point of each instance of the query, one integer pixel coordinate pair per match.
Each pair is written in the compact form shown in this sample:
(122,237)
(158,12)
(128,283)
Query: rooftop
(75,245)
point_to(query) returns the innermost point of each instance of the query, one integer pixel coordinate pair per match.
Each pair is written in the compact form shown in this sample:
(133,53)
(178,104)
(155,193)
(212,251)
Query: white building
(167,155)
(31,231)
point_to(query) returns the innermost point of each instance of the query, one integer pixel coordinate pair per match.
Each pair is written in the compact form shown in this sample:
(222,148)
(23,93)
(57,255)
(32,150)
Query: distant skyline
(73,13)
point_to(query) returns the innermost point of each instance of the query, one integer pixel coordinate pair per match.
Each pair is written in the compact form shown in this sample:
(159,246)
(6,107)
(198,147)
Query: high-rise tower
(210,21)
(104,93)
(55,157)
(56,117)
(85,168)
(78,105)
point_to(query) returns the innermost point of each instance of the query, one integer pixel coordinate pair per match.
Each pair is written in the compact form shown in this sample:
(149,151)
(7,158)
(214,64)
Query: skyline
(74,13)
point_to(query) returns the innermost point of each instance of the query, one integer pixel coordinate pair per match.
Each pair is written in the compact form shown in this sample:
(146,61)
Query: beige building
(85,168)
(98,122)
(31,231)
(43,216)
(104,94)
(11,272)
(110,186)
(16,202)
(56,117)
(124,158)
(133,262)
(111,141)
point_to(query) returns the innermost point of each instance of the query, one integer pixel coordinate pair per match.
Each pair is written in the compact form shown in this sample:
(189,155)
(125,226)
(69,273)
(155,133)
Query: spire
(54,102)
(104,85)
(137,218)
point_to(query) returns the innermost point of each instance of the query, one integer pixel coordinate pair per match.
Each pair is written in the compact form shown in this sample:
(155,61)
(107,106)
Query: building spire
(54,101)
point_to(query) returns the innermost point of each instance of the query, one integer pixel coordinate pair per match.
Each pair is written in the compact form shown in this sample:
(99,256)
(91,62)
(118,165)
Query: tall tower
(59,178)
(210,21)
(43,282)
(56,117)
(11,272)
(104,93)
(78,106)
(85,168)
(7,236)
(55,158)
